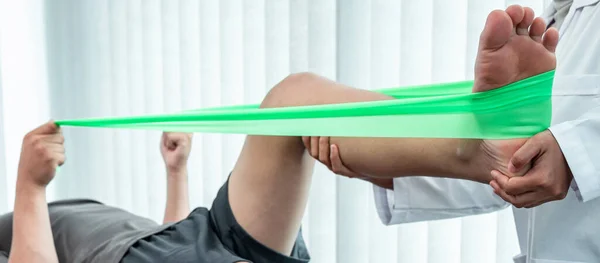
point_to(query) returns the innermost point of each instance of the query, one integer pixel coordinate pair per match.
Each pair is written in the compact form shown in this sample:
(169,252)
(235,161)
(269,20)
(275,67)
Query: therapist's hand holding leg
(546,175)
(548,179)
(329,155)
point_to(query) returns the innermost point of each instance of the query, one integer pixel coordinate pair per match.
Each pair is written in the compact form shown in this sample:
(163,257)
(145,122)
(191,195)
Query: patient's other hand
(175,149)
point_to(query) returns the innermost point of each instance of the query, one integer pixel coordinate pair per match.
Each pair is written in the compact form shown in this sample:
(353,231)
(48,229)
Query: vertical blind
(76,59)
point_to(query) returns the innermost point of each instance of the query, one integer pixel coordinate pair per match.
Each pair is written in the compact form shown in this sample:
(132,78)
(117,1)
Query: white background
(75,59)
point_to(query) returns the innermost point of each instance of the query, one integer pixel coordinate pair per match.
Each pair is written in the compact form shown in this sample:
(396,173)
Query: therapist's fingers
(529,200)
(537,203)
(523,156)
(526,200)
(338,167)
(310,148)
(324,156)
(516,185)
(498,191)
(314,147)
(523,26)
(532,205)
(550,39)
(306,142)
(536,31)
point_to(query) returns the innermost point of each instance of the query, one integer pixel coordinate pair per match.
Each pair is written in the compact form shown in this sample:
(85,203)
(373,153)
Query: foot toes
(537,29)
(497,30)
(550,39)
(516,13)
(523,26)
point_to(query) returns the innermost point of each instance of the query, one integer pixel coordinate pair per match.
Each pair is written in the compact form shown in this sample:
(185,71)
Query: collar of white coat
(550,10)
(582,3)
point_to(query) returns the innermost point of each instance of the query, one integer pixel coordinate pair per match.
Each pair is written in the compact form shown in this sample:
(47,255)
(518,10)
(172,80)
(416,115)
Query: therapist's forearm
(32,235)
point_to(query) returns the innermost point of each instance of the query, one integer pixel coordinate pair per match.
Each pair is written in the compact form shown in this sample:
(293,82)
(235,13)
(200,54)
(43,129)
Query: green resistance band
(446,110)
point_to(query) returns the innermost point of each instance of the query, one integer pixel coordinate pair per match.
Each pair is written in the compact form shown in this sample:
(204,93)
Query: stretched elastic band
(446,110)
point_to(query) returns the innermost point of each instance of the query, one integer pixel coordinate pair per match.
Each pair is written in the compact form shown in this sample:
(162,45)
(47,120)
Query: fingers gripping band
(447,110)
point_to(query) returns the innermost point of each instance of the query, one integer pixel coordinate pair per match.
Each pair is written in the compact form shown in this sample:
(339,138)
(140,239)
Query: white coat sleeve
(579,141)
(426,198)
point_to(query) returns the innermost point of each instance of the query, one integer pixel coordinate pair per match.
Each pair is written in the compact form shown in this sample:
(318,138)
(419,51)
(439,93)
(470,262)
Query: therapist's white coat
(559,231)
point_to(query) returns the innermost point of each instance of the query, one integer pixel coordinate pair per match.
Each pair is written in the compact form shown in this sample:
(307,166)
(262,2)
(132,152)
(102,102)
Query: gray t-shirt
(87,231)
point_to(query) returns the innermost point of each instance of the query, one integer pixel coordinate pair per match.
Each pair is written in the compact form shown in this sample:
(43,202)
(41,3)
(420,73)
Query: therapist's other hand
(329,155)
(548,179)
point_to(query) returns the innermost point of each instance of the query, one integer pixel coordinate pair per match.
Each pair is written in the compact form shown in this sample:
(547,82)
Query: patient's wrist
(25,184)
(180,173)
(29,193)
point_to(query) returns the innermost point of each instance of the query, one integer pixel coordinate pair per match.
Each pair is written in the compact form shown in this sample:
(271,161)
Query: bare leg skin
(269,185)
(268,188)
(513,46)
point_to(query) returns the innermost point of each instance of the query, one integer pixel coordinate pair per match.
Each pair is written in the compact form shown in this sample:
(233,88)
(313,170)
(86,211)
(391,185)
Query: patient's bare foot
(513,46)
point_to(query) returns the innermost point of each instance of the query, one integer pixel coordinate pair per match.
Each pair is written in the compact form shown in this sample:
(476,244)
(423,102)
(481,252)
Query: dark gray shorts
(210,236)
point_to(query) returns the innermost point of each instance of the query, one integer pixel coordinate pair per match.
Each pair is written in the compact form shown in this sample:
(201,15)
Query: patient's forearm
(177,207)
(32,235)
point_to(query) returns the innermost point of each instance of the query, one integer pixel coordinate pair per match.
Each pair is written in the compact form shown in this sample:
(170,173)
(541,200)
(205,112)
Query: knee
(289,89)
(298,78)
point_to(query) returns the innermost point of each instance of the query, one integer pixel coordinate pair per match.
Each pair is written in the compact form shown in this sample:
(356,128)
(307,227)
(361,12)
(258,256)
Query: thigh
(268,189)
